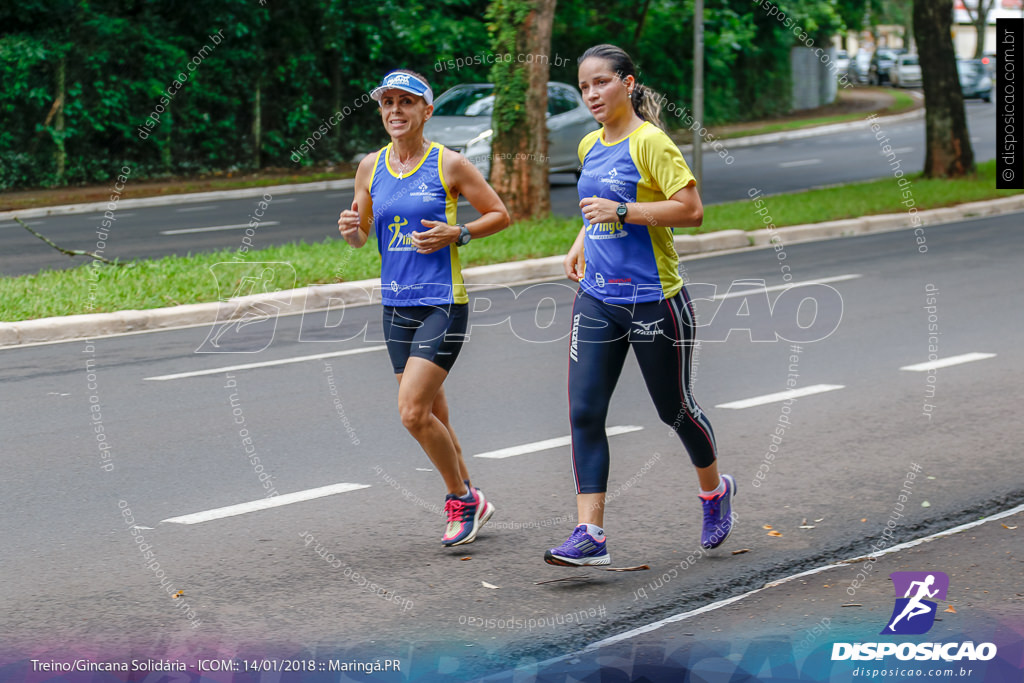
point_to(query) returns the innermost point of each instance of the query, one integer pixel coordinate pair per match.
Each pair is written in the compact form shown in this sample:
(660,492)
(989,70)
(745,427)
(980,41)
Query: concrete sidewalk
(364,292)
(789,629)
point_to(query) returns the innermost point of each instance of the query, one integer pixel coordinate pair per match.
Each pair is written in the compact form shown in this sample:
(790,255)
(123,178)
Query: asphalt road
(152,232)
(77,581)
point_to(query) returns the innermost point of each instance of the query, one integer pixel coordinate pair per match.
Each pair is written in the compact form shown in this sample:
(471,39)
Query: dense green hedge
(282,70)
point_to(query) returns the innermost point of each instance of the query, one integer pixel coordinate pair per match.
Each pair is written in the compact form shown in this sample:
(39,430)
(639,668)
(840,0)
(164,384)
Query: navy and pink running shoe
(465,516)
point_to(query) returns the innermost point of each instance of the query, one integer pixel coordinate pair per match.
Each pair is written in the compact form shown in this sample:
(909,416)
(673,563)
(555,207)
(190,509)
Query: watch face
(621,211)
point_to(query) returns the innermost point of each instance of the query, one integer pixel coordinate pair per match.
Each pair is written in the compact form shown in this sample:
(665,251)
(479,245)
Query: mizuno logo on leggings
(575,336)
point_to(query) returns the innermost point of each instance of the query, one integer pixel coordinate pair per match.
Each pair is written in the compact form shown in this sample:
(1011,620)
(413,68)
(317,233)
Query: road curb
(364,292)
(174,199)
(769,138)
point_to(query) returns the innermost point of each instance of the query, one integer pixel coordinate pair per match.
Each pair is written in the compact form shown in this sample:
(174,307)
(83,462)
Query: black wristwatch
(464,236)
(620,211)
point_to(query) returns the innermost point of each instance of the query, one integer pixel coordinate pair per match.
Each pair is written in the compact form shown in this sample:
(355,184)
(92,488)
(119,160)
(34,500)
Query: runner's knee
(415,416)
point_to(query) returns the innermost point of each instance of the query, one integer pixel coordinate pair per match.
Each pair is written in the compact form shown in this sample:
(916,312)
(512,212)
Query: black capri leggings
(661,334)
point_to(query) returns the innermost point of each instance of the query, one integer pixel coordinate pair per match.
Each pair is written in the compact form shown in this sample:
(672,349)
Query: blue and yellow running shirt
(408,278)
(631,263)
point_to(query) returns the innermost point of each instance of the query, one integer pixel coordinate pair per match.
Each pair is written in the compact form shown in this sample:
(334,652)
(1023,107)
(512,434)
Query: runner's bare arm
(355,223)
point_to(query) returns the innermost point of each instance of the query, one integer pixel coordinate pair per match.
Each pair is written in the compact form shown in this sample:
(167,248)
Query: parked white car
(905,72)
(462,121)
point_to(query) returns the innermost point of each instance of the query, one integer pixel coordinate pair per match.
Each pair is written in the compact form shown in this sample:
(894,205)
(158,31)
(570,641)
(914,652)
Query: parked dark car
(975,81)
(881,62)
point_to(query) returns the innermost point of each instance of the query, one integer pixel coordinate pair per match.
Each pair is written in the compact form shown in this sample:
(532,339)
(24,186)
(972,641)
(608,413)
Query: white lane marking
(802,162)
(15,225)
(264,364)
(774,288)
(549,443)
(817,570)
(214,228)
(332,195)
(781,396)
(946,362)
(204,207)
(264,503)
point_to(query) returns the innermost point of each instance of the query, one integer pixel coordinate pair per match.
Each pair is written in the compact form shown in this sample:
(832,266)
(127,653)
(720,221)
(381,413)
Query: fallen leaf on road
(864,519)
(774,533)
(807,526)
(925,504)
(741,551)
(767,526)
(820,520)
(488,585)
(467,557)
(950,609)
(638,568)
(179,594)
(1011,528)
(852,604)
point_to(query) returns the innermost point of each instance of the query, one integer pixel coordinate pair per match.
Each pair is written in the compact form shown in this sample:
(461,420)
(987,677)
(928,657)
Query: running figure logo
(399,241)
(914,613)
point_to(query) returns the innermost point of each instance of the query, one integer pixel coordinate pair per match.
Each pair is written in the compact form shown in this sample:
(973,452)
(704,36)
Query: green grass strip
(197,278)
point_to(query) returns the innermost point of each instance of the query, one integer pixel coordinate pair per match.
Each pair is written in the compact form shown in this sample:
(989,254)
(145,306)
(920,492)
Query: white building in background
(965,36)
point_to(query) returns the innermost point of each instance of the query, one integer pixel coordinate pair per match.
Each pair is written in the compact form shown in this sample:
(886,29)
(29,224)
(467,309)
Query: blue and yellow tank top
(631,263)
(408,278)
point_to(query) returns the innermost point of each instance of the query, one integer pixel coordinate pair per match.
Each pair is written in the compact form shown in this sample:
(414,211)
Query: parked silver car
(905,72)
(462,121)
(859,67)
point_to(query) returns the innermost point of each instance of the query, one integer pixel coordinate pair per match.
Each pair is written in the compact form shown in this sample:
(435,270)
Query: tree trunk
(257,128)
(519,149)
(947,143)
(336,78)
(640,22)
(980,23)
(60,153)
(165,150)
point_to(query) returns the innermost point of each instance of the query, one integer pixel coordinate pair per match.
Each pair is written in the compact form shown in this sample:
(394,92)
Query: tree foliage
(81,77)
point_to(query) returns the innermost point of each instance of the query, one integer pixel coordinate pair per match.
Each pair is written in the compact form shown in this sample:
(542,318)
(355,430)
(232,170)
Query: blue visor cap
(403,81)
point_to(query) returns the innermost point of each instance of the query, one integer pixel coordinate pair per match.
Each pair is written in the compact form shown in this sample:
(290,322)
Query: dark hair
(646,103)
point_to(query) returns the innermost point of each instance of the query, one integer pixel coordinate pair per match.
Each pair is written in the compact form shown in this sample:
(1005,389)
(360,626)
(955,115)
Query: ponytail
(647,104)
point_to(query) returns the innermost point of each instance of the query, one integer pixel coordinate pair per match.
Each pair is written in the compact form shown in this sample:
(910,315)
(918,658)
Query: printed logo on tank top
(400,241)
(428,196)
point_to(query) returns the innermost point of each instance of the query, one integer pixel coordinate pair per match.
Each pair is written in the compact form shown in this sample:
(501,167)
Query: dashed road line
(781,396)
(947,362)
(264,364)
(264,503)
(547,444)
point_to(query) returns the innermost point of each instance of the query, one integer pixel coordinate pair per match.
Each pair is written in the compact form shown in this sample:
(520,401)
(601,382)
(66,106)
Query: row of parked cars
(899,68)
(462,115)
